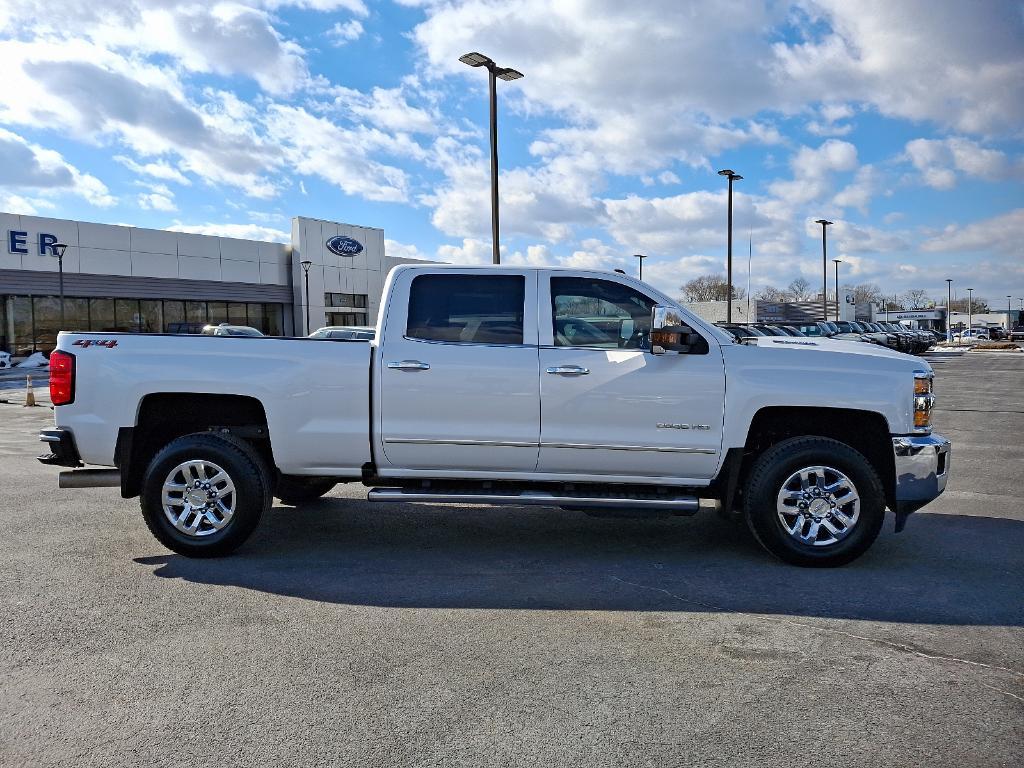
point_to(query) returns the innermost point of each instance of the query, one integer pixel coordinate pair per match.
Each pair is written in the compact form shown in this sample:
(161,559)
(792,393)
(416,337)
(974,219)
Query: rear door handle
(568,370)
(409,365)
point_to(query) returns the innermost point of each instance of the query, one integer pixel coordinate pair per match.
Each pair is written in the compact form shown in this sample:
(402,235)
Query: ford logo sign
(344,246)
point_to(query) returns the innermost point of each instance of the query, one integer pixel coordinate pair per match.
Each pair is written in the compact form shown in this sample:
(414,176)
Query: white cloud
(342,34)
(1001,234)
(159,169)
(813,169)
(865,185)
(939,160)
(397,250)
(155,201)
(28,165)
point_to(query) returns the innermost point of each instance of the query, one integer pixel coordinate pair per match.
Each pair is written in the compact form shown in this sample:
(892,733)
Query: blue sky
(900,121)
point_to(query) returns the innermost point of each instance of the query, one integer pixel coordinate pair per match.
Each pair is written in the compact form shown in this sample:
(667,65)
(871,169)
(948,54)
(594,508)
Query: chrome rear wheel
(198,498)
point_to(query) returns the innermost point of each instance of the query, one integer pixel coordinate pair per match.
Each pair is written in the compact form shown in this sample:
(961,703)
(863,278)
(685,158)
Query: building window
(356,300)
(346,318)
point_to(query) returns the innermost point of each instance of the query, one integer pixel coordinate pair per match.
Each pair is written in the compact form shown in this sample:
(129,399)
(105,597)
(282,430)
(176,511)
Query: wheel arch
(165,416)
(865,431)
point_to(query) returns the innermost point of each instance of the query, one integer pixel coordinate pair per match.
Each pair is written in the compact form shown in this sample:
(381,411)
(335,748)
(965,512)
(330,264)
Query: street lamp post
(1008,300)
(305,268)
(837,262)
(58,250)
(731,176)
(949,310)
(494,73)
(824,269)
(970,311)
(640,259)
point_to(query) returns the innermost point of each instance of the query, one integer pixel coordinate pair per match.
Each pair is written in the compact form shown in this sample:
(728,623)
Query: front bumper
(922,468)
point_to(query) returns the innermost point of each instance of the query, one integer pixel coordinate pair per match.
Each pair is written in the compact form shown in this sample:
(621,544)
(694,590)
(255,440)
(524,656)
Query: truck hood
(817,344)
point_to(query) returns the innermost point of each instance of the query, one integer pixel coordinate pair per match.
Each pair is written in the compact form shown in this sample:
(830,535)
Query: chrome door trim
(658,448)
(568,370)
(408,365)
(487,443)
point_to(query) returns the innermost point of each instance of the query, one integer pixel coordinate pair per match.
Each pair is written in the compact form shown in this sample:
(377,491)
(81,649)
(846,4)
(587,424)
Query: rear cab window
(467,309)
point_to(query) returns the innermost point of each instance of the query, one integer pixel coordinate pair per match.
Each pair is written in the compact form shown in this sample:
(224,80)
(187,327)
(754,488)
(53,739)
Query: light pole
(58,249)
(824,269)
(731,176)
(640,259)
(837,262)
(970,311)
(494,72)
(949,310)
(1008,300)
(305,268)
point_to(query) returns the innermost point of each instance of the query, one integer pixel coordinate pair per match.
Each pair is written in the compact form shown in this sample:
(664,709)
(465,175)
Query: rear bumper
(63,451)
(922,468)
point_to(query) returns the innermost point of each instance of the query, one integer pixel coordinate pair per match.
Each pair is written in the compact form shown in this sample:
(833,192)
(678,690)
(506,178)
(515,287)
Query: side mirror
(670,333)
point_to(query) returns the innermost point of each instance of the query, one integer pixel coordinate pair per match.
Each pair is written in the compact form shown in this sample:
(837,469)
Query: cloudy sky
(902,121)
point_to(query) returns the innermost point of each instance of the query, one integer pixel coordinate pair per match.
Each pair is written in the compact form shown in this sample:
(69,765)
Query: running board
(676,504)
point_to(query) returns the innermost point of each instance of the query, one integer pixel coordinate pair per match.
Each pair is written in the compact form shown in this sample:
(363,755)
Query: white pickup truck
(567,388)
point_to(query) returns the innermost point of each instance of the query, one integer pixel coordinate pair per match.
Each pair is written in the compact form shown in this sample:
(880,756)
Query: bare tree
(798,290)
(916,298)
(867,293)
(979,305)
(771,293)
(710,288)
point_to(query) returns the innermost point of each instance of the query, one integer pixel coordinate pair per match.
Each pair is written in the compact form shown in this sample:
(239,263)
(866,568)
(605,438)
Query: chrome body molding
(922,469)
(656,448)
(513,444)
(437,441)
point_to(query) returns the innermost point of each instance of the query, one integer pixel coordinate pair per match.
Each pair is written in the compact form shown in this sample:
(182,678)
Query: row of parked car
(892,335)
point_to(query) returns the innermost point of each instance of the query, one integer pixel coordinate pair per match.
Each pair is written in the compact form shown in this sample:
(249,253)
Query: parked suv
(1017,334)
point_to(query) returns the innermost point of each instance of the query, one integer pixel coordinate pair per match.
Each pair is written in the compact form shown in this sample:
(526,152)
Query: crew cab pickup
(569,388)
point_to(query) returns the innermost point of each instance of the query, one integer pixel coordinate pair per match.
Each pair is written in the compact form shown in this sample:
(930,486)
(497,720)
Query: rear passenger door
(458,376)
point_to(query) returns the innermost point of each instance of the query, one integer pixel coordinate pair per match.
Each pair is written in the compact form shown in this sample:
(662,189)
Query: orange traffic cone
(30,393)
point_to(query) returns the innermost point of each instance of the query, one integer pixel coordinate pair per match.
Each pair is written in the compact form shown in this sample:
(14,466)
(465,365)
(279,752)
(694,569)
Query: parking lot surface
(346,633)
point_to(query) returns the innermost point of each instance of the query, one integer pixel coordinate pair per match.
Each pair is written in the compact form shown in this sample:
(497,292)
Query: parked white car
(507,385)
(972,334)
(226,329)
(345,332)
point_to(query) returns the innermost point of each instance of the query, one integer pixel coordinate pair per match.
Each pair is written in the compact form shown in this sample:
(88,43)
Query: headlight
(924,401)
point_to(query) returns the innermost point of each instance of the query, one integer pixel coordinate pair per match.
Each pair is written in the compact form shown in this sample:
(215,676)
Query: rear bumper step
(677,504)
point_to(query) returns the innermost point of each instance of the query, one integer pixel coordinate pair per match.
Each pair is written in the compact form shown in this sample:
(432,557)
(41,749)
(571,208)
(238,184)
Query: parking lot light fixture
(305,268)
(732,176)
(494,72)
(949,309)
(58,251)
(640,260)
(970,309)
(837,262)
(824,269)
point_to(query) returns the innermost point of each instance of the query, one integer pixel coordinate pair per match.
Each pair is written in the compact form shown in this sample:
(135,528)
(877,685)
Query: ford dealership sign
(344,246)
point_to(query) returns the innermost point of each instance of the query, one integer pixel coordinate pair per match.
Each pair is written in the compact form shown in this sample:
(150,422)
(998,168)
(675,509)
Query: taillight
(62,378)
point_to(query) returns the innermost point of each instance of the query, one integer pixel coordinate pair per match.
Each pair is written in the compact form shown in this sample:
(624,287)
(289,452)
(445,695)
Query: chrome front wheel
(198,497)
(818,505)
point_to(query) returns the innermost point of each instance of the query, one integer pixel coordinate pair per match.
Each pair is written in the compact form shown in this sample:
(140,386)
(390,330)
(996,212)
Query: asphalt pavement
(346,633)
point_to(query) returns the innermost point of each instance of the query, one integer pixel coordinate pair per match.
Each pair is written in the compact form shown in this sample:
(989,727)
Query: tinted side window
(480,309)
(588,312)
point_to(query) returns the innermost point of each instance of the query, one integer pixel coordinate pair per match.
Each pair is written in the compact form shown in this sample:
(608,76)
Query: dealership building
(128,279)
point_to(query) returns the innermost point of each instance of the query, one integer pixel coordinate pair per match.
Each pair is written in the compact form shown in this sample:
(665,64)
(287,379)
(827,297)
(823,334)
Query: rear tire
(294,490)
(814,501)
(204,494)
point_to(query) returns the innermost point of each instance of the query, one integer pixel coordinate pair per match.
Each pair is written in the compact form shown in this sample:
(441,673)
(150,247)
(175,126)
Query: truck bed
(315,392)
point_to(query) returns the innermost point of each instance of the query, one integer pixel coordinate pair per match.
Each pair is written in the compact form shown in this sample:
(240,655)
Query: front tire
(204,494)
(814,501)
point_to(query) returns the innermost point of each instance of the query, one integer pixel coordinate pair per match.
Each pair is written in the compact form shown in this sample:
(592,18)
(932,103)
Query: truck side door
(457,372)
(608,406)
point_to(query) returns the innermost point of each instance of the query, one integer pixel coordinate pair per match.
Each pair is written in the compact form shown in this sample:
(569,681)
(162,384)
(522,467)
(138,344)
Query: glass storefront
(30,323)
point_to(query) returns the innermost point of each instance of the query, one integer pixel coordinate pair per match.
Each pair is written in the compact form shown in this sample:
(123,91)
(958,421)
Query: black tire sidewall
(777,464)
(242,465)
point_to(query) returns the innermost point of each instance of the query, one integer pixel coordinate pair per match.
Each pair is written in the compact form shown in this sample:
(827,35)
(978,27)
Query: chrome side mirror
(670,333)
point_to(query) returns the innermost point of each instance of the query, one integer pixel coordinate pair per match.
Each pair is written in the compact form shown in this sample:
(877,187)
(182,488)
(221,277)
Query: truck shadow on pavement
(944,569)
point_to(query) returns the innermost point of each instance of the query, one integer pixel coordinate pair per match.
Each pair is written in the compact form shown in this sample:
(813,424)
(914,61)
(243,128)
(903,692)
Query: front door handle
(568,370)
(409,365)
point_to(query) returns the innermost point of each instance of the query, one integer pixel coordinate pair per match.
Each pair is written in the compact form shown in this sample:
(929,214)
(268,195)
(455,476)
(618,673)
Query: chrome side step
(676,504)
